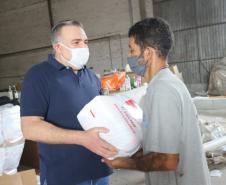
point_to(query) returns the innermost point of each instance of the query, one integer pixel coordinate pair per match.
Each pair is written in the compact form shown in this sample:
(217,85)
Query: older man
(53,93)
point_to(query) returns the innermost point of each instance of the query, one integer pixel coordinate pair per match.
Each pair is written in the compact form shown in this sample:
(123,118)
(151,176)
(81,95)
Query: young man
(172,148)
(53,93)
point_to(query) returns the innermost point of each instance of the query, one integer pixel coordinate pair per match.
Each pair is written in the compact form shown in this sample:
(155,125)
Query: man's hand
(138,154)
(123,162)
(120,162)
(94,143)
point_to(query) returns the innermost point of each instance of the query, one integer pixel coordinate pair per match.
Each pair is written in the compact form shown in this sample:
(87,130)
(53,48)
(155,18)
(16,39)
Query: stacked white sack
(11,139)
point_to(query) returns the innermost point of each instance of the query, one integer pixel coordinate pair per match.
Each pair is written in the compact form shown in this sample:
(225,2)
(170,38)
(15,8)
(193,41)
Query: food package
(121,115)
(113,82)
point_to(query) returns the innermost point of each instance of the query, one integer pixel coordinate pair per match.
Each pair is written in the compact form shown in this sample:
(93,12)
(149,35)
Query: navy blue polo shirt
(52,91)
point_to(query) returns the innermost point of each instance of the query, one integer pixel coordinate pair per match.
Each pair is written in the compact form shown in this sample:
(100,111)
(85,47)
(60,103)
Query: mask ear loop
(141,57)
(66,60)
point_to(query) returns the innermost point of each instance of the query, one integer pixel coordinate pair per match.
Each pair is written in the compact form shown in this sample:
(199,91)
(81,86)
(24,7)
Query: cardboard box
(21,178)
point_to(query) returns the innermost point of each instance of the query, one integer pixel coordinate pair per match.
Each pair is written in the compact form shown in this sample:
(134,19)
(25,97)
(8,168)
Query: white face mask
(79,56)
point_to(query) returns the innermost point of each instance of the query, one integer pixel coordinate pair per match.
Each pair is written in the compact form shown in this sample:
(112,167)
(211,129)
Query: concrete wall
(200,36)
(25,26)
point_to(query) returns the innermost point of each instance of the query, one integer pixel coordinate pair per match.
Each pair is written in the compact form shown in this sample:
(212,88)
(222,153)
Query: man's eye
(75,43)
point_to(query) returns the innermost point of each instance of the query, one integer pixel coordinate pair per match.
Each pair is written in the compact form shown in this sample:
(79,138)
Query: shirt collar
(158,75)
(52,60)
(55,63)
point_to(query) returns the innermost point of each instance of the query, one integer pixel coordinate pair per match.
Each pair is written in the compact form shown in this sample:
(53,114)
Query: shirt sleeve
(99,86)
(34,94)
(97,80)
(163,122)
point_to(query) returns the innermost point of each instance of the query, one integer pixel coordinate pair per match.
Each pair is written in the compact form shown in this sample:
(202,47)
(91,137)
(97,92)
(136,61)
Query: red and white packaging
(121,115)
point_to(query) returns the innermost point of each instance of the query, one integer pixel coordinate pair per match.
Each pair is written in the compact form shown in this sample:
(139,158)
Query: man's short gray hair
(55,32)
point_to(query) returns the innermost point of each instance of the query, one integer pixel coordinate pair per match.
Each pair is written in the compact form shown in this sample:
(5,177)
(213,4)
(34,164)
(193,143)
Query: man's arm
(139,153)
(36,129)
(146,163)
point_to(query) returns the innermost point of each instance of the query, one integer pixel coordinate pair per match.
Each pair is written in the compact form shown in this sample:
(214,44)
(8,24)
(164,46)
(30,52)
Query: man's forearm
(42,131)
(150,162)
(36,129)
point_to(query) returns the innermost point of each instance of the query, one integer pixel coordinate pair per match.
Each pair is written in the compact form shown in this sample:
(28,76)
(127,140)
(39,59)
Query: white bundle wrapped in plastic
(136,94)
(2,159)
(1,135)
(12,158)
(11,124)
(11,139)
(122,116)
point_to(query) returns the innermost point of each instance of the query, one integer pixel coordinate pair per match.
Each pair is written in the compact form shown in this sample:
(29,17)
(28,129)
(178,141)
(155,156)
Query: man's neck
(61,61)
(154,68)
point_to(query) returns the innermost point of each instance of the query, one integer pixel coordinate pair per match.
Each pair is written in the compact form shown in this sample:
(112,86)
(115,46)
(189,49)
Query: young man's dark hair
(155,33)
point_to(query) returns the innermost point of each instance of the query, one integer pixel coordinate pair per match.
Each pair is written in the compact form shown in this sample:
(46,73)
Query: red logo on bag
(131,103)
(92,113)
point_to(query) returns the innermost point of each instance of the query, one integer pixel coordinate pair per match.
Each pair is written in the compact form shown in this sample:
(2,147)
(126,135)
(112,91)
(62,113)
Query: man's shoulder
(37,70)
(165,88)
(91,73)
(160,85)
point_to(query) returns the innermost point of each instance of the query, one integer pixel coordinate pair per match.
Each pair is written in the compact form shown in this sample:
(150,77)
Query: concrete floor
(126,177)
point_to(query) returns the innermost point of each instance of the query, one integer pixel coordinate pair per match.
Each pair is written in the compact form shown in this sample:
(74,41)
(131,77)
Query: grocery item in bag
(121,115)
(113,81)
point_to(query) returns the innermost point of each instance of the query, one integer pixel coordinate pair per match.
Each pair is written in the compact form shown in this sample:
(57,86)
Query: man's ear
(149,53)
(56,47)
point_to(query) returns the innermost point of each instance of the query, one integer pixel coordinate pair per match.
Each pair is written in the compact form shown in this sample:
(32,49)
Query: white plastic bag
(12,158)
(135,94)
(11,139)
(122,116)
(2,159)
(1,134)
(11,124)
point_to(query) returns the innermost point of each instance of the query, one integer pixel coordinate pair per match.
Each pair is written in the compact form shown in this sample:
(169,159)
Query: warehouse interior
(199,28)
